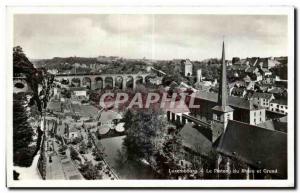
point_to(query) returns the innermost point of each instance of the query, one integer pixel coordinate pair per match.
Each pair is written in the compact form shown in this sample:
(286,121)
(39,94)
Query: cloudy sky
(151,36)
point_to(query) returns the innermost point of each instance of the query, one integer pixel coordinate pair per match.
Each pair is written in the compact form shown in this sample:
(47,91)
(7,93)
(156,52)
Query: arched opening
(119,82)
(19,85)
(98,83)
(108,82)
(139,80)
(87,82)
(75,82)
(147,78)
(129,82)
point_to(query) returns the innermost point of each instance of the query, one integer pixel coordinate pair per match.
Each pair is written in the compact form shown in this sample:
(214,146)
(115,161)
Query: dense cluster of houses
(245,124)
(71,118)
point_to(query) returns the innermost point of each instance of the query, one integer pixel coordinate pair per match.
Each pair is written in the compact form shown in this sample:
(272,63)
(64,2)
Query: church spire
(222,104)
(222,112)
(223,93)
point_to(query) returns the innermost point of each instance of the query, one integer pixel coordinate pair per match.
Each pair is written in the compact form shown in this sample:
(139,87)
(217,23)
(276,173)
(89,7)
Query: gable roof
(256,146)
(262,95)
(233,101)
(276,90)
(279,101)
(195,140)
(277,125)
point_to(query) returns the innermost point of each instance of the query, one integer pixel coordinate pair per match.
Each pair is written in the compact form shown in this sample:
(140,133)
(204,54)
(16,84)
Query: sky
(163,37)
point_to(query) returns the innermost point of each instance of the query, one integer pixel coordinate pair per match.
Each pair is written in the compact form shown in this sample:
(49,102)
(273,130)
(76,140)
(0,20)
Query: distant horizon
(155,59)
(157,37)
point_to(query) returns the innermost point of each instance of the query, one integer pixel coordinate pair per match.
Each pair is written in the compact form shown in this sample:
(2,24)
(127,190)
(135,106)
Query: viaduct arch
(100,81)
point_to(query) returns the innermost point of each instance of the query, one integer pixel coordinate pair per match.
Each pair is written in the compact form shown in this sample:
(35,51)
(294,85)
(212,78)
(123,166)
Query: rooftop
(279,101)
(194,140)
(233,101)
(85,110)
(256,146)
(262,95)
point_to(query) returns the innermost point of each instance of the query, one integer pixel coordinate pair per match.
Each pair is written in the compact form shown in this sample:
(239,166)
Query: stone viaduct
(99,81)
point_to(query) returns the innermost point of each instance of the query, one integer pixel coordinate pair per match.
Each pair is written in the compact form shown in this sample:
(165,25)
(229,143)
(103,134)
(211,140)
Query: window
(254,114)
(260,112)
(254,120)
(260,119)
(228,116)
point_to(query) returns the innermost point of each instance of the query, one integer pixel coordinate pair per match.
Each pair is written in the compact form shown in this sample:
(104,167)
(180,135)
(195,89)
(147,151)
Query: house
(203,86)
(252,70)
(156,80)
(265,72)
(262,99)
(244,110)
(247,79)
(240,83)
(250,85)
(267,63)
(257,76)
(188,68)
(79,91)
(279,106)
(73,133)
(278,92)
(278,124)
(239,92)
(249,148)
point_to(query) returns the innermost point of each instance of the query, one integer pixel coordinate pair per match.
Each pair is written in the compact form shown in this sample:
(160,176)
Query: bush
(24,156)
(74,154)
(89,144)
(82,148)
(76,140)
(62,150)
(89,171)
(100,165)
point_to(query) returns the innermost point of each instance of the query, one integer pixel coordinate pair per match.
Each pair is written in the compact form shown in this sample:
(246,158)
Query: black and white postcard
(150,97)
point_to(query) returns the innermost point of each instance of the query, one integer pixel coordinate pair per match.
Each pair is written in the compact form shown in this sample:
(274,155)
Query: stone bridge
(100,81)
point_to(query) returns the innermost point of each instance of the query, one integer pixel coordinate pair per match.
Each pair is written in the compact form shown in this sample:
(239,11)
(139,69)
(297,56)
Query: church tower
(223,112)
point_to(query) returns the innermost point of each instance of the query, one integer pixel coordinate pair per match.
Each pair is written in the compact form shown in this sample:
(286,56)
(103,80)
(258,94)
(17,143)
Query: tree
(144,134)
(100,165)
(22,133)
(62,149)
(89,143)
(97,154)
(74,154)
(89,171)
(82,148)
(76,140)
